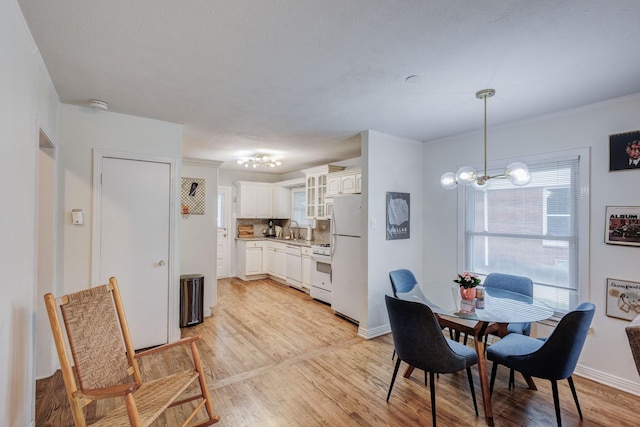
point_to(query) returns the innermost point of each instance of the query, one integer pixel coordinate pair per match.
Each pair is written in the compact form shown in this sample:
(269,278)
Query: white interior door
(224,232)
(135,242)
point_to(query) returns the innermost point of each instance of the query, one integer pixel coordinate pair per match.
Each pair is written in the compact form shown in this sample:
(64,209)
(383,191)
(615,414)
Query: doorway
(223,221)
(45,356)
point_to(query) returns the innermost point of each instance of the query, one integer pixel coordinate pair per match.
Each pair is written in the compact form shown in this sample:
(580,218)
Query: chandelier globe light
(258,160)
(516,173)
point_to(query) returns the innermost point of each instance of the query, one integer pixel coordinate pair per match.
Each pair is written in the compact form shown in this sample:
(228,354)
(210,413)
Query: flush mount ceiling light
(98,105)
(516,173)
(259,160)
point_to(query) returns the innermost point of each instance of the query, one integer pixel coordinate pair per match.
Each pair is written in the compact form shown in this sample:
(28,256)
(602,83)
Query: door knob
(162,263)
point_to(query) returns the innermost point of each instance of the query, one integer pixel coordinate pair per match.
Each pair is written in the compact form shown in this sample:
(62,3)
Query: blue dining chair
(554,358)
(520,285)
(420,343)
(404,281)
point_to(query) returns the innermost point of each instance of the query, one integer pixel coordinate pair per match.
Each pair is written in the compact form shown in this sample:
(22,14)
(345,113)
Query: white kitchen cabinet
(255,199)
(276,260)
(294,266)
(316,186)
(281,202)
(344,182)
(249,264)
(306,268)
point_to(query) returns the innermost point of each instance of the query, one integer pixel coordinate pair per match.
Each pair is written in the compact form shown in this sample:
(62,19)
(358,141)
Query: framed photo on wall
(398,216)
(623,299)
(624,151)
(622,225)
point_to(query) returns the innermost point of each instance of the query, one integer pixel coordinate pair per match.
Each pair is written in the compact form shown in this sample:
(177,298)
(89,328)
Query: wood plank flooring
(275,357)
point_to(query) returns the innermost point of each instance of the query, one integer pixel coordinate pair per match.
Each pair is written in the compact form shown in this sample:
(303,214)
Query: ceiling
(300,79)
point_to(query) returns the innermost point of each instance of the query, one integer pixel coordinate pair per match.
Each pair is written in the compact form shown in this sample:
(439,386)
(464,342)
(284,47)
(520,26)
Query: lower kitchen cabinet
(276,260)
(249,265)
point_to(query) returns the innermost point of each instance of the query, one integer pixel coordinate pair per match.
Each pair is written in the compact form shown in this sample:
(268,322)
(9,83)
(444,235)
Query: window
(536,231)
(299,206)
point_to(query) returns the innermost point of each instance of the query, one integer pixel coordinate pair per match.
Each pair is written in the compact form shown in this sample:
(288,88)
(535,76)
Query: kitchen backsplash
(321,233)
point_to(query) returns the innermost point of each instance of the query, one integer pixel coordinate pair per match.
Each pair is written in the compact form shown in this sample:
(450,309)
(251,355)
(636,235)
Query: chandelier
(259,160)
(516,173)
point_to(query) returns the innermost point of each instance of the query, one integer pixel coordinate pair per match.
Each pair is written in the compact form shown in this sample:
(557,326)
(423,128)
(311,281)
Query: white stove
(321,272)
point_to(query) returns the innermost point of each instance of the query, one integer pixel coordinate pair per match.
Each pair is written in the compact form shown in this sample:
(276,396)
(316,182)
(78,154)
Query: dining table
(500,308)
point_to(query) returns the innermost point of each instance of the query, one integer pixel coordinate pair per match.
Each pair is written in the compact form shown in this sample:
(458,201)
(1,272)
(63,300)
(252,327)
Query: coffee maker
(271,231)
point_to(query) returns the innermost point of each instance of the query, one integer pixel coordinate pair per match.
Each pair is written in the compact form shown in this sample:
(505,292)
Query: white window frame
(304,221)
(584,154)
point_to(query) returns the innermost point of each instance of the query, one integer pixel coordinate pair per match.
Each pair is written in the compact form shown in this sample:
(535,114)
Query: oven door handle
(326,259)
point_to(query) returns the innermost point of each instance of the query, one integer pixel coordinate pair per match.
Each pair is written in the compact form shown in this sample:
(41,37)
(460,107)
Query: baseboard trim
(621,384)
(375,332)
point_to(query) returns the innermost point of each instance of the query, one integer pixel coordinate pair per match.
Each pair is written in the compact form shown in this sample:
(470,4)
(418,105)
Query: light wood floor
(275,357)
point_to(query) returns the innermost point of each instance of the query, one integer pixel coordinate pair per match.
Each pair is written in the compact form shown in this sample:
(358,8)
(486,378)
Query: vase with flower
(468,282)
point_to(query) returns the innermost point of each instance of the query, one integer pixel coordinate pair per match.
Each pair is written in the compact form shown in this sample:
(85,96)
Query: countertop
(296,242)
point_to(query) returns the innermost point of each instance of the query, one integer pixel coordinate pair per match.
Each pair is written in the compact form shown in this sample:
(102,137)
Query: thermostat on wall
(77,216)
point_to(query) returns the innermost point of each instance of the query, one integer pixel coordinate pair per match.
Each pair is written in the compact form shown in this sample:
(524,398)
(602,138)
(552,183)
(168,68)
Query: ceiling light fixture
(259,160)
(98,105)
(516,173)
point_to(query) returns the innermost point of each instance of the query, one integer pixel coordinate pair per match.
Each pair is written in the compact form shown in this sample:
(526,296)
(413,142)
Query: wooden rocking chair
(105,364)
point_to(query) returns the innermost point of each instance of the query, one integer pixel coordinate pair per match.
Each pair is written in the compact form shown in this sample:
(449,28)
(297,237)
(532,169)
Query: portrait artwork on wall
(623,299)
(624,151)
(622,225)
(398,216)
(192,196)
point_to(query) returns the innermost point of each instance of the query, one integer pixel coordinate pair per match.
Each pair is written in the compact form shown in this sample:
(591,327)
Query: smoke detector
(98,105)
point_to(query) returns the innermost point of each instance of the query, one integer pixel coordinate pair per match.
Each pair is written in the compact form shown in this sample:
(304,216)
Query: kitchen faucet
(297,235)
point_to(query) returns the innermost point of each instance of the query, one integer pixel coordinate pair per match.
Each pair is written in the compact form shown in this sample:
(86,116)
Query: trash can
(191,301)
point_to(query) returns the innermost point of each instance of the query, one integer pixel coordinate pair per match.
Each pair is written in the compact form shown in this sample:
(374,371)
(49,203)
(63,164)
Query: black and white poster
(398,216)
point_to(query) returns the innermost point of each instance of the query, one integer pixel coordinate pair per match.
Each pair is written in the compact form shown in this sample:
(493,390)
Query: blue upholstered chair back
(519,284)
(418,338)
(402,281)
(558,356)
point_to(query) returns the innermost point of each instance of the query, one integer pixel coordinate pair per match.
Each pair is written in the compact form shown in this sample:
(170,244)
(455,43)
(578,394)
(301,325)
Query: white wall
(606,356)
(389,164)
(28,101)
(198,233)
(82,130)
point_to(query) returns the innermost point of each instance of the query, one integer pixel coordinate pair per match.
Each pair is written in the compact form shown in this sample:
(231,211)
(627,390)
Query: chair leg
(393,379)
(473,391)
(575,395)
(494,370)
(466,337)
(512,379)
(425,378)
(394,354)
(432,391)
(556,401)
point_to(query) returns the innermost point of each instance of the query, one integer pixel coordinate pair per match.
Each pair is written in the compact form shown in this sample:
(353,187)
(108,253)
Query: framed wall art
(623,299)
(622,226)
(192,196)
(398,216)
(624,151)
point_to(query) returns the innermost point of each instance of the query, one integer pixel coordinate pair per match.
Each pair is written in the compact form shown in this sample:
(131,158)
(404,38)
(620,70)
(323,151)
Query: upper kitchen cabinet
(316,186)
(281,202)
(345,182)
(255,199)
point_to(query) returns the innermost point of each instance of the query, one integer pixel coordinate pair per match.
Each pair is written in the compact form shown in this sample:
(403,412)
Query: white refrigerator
(346,270)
